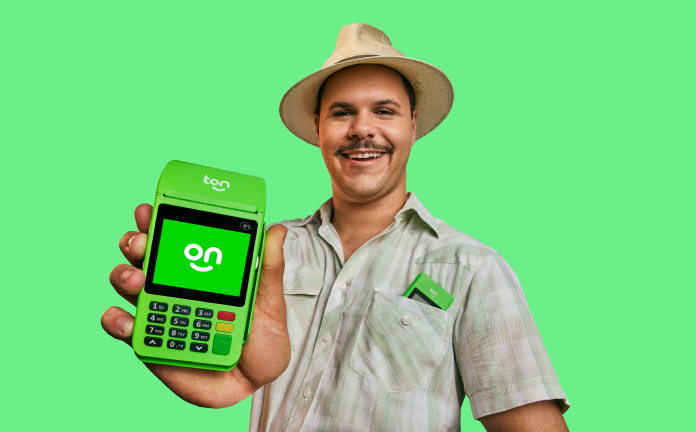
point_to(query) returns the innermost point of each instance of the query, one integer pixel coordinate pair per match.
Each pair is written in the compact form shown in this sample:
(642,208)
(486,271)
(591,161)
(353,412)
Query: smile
(376,155)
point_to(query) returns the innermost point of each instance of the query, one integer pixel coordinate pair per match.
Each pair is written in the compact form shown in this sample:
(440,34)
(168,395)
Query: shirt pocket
(301,288)
(400,343)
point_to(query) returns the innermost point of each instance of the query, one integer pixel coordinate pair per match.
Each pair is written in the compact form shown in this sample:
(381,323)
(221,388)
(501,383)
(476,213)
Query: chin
(364,194)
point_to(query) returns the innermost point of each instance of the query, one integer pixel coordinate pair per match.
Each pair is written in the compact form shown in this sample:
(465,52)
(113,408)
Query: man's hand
(543,416)
(265,355)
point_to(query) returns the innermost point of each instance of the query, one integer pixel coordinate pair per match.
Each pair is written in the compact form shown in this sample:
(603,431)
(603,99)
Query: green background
(174,268)
(569,150)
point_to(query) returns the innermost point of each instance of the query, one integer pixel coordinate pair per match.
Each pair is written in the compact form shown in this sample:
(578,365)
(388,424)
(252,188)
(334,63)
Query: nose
(362,126)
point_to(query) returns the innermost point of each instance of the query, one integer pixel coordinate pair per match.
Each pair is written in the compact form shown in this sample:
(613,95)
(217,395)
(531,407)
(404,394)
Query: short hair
(408,88)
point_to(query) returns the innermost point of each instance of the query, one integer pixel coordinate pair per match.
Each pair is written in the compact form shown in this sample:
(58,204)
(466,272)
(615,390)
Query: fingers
(132,246)
(127,281)
(143,214)
(133,243)
(119,324)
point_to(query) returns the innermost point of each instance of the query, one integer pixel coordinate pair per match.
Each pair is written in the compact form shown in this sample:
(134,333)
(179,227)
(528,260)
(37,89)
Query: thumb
(269,298)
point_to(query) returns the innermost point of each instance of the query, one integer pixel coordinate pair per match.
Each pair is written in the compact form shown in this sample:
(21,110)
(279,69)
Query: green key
(222,344)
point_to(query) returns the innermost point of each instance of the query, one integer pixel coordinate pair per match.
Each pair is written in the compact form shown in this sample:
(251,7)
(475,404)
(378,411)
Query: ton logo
(432,293)
(216,182)
(187,252)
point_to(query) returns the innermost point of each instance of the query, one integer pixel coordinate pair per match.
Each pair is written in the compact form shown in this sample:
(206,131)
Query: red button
(226,316)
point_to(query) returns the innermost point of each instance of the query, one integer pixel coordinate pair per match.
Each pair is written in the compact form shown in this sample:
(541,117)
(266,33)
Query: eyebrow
(378,103)
(339,105)
(387,102)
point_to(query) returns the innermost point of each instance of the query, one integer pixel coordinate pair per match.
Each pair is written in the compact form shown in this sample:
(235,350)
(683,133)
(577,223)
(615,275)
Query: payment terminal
(201,267)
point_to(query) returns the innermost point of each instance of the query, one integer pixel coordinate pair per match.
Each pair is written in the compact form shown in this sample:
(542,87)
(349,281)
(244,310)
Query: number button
(153,341)
(201,336)
(179,321)
(155,330)
(199,347)
(204,313)
(157,318)
(177,333)
(201,324)
(182,310)
(159,306)
(176,344)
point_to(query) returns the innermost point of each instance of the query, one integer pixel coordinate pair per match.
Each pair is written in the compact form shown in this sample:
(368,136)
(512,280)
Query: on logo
(432,293)
(216,182)
(187,252)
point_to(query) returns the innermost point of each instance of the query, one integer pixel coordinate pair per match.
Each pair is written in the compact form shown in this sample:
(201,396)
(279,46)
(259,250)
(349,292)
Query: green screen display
(201,258)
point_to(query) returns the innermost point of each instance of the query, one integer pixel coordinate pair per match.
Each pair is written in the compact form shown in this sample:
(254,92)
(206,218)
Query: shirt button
(342,286)
(286,286)
(326,338)
(307,392)
(406,320)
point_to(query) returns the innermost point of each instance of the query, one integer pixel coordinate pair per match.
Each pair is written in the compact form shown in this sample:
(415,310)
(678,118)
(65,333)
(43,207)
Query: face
(365,132)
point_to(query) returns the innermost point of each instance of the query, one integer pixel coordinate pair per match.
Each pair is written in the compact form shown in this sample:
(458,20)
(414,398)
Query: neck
(362,220)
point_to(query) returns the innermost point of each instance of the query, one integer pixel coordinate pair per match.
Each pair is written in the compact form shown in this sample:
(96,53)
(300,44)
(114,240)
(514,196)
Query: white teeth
(363,155)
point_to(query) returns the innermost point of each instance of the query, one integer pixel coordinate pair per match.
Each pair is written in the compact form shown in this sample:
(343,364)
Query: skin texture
(364,108)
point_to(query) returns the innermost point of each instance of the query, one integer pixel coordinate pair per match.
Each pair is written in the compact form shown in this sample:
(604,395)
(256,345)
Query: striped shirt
(366,358)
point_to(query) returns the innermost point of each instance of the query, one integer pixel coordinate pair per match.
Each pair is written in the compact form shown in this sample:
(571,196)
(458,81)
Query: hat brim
(434,95)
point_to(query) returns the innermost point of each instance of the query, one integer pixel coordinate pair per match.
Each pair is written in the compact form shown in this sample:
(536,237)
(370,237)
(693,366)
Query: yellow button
(223,327)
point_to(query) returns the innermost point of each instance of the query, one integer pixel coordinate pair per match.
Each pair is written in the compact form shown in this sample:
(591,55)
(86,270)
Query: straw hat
(363,44)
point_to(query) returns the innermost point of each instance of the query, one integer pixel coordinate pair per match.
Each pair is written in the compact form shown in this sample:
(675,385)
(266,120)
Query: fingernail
(124,276)
(124,326)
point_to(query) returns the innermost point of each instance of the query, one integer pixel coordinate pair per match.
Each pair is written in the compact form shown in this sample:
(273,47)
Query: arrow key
(199,347)
(153,341)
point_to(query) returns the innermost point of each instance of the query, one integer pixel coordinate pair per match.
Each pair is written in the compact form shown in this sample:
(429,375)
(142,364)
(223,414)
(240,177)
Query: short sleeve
(500,355)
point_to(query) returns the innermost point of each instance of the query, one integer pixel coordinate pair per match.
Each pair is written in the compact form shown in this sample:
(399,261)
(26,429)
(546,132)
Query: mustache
(367,144)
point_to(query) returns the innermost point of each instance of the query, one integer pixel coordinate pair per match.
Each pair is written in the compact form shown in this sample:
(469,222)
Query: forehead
(364,80)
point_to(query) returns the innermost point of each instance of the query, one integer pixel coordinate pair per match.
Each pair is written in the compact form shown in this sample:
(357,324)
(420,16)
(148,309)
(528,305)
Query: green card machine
(426,290)
(203,256)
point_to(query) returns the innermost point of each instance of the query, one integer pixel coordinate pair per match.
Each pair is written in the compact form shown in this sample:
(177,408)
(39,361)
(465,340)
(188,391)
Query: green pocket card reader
(203,256)
(426,290)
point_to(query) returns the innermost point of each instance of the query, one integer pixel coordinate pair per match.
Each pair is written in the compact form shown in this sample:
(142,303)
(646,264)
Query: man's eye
(341,113)
(384,112)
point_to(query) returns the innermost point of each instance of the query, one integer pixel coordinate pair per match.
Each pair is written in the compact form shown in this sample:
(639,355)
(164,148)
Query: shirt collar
(413,204)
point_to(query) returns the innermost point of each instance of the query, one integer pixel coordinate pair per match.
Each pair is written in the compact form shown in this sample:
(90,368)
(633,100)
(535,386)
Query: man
(334,345)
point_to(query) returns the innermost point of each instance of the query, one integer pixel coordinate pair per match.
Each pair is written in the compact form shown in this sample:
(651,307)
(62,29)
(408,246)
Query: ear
(414,120)
(316,124)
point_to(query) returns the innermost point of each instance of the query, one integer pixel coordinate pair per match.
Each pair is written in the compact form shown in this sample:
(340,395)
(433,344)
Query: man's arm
(542,416)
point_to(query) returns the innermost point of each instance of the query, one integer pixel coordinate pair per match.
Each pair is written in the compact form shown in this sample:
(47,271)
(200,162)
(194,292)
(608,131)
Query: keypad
(201,336)
(157,318)
(201,340)
(153,341)
(159,306)
(176,344)
(199,347)
(177,333)
(154,330)
(179,321)
(182,310)
(204,313)
(202,324)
